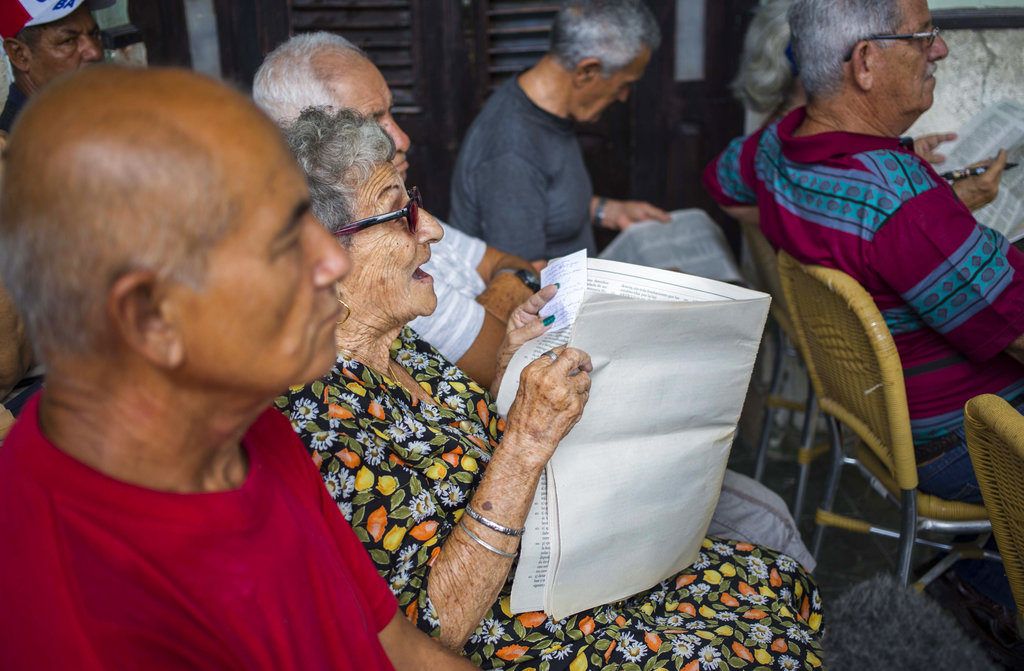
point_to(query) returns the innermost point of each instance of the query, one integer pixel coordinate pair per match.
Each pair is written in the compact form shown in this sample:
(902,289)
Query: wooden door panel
(442,58)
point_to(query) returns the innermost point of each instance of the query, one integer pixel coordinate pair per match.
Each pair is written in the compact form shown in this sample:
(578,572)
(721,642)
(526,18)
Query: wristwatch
(528,277)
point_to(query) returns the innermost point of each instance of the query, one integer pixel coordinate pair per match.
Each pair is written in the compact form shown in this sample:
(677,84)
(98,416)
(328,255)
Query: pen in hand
(964,173)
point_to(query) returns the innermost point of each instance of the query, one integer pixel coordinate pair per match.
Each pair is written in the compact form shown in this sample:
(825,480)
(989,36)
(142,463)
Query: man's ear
(18,53)
(863,64)
(144,317)
(586,71)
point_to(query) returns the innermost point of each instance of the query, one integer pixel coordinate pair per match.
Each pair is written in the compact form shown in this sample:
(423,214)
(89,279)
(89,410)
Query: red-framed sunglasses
(411,214)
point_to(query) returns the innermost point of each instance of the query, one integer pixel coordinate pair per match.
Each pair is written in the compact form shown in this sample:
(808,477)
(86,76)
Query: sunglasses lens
(414,209)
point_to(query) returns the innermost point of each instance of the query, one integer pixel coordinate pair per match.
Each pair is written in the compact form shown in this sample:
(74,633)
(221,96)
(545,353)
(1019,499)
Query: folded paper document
(691,242)
(628,495)
(999,126)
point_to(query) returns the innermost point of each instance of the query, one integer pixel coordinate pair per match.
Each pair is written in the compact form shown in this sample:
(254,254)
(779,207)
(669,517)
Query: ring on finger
(551,354)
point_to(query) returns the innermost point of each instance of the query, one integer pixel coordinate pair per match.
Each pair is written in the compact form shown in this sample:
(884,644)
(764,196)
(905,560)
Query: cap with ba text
(18,14)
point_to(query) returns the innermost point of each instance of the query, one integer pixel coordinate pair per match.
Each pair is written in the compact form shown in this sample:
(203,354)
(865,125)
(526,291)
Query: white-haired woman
(437,485)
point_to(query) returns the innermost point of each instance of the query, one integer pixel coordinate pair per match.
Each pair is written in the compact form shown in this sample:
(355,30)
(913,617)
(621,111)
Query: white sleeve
(455,323)
(458,318)
(456,257)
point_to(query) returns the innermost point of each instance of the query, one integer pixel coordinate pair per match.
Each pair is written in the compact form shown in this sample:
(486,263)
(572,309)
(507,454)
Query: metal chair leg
(835,472)
(908,532)
(806,445)
(769,411)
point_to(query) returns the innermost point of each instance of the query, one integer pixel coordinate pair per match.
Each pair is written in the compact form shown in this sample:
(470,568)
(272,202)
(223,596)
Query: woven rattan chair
(766,266)
(995,438)
(856,373)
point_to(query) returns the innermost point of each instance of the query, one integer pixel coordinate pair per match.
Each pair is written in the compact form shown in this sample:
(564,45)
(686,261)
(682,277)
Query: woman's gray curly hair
(765,80)
(338,151)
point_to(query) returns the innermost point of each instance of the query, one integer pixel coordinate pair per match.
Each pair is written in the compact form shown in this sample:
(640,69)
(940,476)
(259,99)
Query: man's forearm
(746,214)
(480,360)
(495,260)
(410,649)
(1016,349)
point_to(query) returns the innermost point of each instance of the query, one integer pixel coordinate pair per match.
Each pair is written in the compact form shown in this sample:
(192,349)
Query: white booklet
(628,495)
(691,242)
(999,126)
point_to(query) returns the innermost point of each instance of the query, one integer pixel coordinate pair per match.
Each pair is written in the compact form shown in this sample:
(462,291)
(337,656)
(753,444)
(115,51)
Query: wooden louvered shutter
(382,28)
(512,35)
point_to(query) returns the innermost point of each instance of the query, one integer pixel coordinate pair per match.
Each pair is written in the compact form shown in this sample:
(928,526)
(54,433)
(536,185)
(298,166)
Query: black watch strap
(528,277)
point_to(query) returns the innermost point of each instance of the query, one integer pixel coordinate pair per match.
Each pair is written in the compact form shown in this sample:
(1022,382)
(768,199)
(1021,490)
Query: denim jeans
(951,475)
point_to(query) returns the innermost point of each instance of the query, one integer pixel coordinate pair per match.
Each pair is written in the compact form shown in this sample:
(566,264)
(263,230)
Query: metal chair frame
(766,265)
(858,380)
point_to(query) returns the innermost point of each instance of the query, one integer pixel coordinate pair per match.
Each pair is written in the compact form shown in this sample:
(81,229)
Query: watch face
(531,280)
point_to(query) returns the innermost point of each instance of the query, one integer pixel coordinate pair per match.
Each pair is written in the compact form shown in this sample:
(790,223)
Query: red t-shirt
(96,573)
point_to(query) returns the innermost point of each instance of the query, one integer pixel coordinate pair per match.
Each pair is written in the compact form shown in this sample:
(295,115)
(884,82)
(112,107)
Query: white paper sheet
(570,273)
(629,493)
(691,243)
(999,126)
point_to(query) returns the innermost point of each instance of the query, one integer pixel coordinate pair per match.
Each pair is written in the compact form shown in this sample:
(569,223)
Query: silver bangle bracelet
(490,524)
(485,545)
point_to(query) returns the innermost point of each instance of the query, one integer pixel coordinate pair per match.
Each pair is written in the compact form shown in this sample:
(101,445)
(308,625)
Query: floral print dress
(402,473)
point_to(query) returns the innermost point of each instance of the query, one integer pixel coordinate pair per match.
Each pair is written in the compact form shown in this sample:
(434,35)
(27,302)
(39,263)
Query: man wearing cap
(44,40)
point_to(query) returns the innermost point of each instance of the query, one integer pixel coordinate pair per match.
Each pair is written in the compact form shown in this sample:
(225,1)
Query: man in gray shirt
(520,182)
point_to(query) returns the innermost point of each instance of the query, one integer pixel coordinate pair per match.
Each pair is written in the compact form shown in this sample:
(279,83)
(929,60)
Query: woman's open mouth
(420,275)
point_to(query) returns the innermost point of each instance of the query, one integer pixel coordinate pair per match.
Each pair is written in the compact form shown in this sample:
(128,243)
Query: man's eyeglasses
(411,214)
(928,36)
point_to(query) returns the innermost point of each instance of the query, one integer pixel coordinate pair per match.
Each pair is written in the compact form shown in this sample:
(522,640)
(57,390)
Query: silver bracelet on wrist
(490,524)
(485,545)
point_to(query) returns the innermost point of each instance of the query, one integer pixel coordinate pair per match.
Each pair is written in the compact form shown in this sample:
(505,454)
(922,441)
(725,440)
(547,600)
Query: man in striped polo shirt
(835,187)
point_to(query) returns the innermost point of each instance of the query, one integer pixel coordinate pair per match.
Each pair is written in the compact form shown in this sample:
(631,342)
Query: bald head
(117,169)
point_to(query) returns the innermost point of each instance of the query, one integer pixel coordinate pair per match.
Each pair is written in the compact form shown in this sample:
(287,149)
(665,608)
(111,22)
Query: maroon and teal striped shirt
(951,290)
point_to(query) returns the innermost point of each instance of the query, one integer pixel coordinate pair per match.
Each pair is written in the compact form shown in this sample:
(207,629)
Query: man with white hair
(835,187)
(477,286)
(520,182)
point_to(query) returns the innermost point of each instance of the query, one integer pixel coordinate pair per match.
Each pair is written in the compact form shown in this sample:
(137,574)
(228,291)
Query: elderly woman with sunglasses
(437,486)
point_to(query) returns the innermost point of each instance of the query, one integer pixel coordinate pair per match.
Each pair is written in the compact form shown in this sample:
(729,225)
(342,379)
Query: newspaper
(999,126)
(627,497)
(690,243)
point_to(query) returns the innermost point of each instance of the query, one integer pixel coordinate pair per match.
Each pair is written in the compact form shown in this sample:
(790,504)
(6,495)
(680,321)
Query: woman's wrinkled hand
(552,394)
(977,192)
(524,324)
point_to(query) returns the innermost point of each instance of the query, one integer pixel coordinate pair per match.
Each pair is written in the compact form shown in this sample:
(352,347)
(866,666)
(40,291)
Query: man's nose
(91,49)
